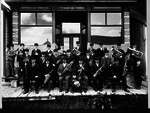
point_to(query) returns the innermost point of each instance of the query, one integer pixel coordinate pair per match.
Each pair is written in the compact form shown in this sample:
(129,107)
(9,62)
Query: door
(70,41)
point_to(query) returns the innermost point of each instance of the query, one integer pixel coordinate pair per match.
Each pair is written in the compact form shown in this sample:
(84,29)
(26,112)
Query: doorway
(71,26)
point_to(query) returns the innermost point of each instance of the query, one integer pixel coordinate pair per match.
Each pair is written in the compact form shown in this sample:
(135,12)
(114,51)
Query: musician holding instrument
(134,66)
(82,73)
(35,74)
(64,74)
(10,58)
(48,76)
(26,71)
(36,53)
(19,64)
(98,75)
(105,69)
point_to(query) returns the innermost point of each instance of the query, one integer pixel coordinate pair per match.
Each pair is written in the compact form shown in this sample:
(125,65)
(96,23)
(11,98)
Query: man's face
(21,47)
(33,62)
(27,52)
(80,62)
(64,61)
(97,61)
(36,47)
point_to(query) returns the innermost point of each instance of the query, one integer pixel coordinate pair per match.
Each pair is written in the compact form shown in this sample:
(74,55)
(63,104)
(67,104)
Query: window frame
(109,25)
(36,25)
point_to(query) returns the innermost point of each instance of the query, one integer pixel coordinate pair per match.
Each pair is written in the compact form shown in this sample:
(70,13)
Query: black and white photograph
(74,55)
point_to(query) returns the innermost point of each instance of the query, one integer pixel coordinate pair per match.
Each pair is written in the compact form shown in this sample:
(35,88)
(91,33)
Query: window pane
(44,18)
(66,43)
(31,35)
(114,18)
(75,39)
(28,19)
(106,31)
(97,18)
(71,27)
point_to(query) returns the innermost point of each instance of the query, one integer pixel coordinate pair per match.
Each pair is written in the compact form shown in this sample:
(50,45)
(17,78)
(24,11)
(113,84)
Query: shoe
(24,92)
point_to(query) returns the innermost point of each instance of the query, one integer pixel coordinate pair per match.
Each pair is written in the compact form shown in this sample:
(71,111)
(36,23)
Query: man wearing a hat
(64,74)
(106,62)
(19,64)
(36,53)
(35,74)
(82,73)
(26,71)
(91,50)
(99,52)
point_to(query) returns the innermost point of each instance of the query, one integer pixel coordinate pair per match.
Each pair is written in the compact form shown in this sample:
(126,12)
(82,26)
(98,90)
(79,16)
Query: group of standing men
(73,70)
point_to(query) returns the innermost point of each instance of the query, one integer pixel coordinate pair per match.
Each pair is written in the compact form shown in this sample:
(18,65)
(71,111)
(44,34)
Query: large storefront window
(36,28)
(106,24)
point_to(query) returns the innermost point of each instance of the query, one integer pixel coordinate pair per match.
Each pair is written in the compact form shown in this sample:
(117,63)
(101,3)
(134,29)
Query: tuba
(136,53)
(117,53)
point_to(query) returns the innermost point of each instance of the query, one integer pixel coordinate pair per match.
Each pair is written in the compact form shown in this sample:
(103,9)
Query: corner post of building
(1,55)
(148,51)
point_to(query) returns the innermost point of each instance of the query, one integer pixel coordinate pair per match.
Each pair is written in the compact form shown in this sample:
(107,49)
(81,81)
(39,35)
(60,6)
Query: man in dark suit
(64,75)
(48,69)
(19,64)
(99,52)
(82,73)
(36,53)
(26,71)
(97,75)
(35,74)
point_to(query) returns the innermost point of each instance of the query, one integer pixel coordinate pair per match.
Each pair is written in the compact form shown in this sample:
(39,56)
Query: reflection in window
(44,18)
(106,31)
(71,27)
(28,19)
(97,18)
(114,18)
(31,35)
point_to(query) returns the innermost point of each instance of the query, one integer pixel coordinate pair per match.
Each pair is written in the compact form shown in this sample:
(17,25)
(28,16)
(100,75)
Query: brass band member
(118,68)
(10,57)
(106,62)
(98,75)
(99,52)
(36,53)
(64,75)
(82,73)
(35,74)
(26,71)
(91,51)
(134,66)
(48,69)
(19,64)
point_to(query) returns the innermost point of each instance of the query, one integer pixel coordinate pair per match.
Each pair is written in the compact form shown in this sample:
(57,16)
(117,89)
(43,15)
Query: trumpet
(134,52)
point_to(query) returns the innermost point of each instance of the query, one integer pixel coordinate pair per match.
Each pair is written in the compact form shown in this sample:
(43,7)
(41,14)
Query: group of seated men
(73,70)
